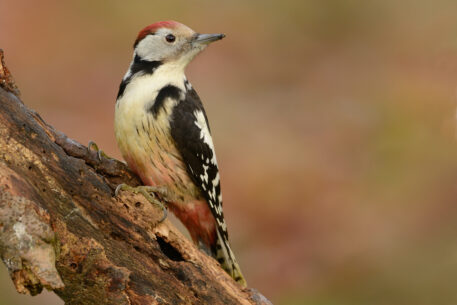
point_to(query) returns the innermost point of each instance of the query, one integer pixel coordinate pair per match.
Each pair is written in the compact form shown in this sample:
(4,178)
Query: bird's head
(171,43)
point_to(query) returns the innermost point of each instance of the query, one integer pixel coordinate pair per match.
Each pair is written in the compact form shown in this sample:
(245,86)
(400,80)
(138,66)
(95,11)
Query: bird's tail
(224,255)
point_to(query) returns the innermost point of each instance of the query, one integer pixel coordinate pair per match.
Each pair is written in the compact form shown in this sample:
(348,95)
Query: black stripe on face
(139,65)
(168,91)
(145,66)
(122,87)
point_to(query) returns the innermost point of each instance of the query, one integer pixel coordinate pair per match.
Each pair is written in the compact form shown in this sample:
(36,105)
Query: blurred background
(334,124)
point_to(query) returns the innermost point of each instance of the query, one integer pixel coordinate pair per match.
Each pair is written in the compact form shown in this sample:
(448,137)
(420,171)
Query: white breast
(139,95)
(144,140)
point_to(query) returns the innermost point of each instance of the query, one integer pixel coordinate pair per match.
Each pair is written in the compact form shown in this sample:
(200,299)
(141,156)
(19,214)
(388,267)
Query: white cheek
(153,47)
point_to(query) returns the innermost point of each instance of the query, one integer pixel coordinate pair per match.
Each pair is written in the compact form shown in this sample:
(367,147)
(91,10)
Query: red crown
(150,29)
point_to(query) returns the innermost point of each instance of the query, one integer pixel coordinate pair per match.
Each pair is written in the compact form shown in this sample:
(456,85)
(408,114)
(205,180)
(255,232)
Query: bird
(163,133)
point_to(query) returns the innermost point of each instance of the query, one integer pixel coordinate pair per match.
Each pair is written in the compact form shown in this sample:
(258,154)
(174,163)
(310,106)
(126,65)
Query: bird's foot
(149,193)
(100,153)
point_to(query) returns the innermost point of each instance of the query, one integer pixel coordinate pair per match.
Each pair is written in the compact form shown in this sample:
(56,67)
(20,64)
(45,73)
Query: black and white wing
(190,130)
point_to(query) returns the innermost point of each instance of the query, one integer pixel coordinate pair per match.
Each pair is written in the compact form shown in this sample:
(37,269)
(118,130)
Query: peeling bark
(62,229)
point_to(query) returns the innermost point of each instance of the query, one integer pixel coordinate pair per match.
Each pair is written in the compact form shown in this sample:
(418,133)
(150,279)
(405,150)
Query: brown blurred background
(334,123)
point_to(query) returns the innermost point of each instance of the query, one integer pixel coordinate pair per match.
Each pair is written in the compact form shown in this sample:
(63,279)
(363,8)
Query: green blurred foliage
(334,123)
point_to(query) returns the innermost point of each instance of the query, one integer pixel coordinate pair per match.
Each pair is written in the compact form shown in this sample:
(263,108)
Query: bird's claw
(165,213)
(148,193)
(92,144)
(100,153)
(118,188)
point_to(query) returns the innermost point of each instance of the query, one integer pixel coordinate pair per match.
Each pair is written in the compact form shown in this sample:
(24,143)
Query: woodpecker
(163,134)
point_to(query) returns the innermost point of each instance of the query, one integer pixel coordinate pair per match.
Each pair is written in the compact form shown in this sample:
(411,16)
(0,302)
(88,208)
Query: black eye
(170,38)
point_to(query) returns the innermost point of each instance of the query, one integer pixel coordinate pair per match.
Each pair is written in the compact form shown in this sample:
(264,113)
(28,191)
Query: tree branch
(62,229)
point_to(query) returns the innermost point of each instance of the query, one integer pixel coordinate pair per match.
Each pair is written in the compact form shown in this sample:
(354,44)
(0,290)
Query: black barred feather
(197,154)
(193,140)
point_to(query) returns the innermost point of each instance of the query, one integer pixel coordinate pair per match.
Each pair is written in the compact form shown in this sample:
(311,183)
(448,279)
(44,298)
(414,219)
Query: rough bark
(62,229)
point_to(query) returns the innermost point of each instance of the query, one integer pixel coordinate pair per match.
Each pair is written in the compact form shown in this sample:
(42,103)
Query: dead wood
(62,229)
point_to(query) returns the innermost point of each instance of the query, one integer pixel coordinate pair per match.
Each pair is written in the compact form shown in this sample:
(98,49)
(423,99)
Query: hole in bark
(182,276)
(30,167)
(116,236)
(73,266)
(169,250)
(137,204)
(126,206)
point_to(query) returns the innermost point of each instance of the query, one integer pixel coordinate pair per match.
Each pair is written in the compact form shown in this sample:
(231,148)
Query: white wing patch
(205,135)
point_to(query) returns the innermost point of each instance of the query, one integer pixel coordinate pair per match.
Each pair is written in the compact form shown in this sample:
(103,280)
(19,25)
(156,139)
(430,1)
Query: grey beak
(208,38)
